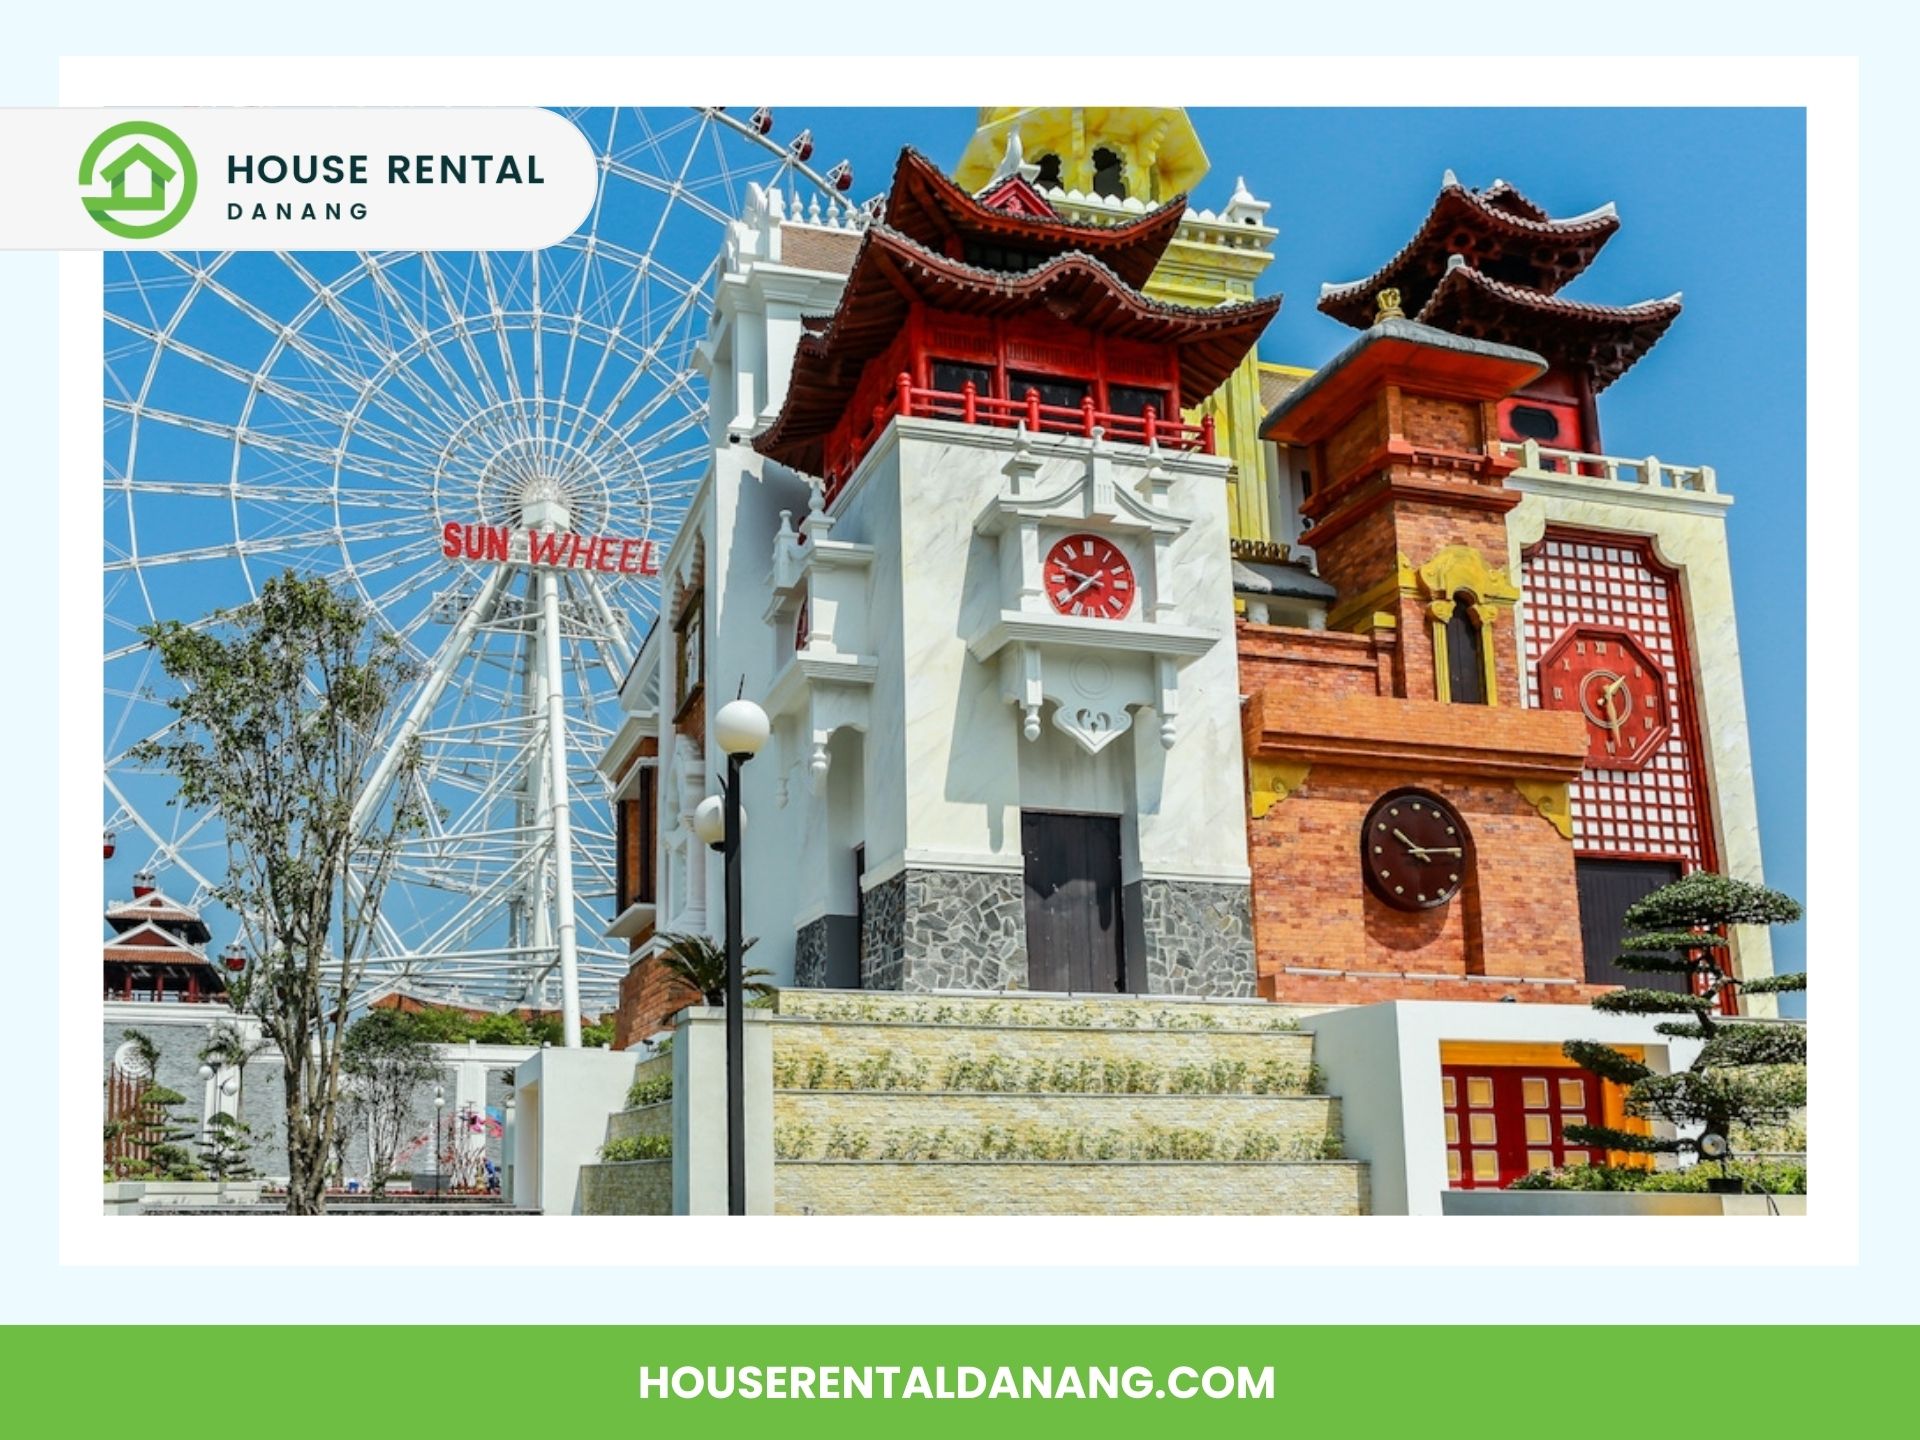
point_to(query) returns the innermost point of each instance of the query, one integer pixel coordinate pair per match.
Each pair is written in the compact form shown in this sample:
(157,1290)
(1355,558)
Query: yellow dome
(1158,147)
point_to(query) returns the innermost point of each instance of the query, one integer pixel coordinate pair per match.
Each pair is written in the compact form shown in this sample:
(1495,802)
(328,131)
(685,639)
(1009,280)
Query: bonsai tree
(224,1147)
(150,1128)
(1746,1075)
(698,963)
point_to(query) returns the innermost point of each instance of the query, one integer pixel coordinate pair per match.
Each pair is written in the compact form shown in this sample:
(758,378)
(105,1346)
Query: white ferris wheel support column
(558,799)
(445,661)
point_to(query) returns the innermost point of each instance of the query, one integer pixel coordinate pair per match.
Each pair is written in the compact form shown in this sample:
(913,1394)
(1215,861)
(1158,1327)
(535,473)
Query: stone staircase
(1027,1104)
(641,1186)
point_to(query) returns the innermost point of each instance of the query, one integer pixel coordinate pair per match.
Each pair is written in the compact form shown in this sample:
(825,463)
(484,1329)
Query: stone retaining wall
(1167,1187)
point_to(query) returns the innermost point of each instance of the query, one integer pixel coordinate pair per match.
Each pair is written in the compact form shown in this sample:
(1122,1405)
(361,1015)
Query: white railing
(1650,473)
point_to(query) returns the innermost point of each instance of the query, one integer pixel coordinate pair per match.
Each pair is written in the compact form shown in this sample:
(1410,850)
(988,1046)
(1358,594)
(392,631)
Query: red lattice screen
(1574,578)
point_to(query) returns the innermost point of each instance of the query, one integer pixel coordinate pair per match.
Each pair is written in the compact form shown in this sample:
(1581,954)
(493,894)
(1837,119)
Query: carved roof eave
(928,207)
(1604,340)
(1563,248)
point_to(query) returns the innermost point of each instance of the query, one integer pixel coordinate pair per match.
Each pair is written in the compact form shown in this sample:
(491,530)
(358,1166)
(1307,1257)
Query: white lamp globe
(710,820)
(741,728)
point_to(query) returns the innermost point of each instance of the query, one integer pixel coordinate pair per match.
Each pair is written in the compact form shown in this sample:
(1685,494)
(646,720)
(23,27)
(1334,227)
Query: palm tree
(701,965)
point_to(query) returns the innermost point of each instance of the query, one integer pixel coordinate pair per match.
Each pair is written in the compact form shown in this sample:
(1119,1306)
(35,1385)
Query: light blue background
(1880,1288)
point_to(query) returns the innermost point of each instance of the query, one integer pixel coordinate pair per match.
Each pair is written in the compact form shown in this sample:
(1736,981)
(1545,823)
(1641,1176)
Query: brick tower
(1413,690)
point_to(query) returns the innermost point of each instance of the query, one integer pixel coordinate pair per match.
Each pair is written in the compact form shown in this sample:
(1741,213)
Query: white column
(700,1112)
(558,798)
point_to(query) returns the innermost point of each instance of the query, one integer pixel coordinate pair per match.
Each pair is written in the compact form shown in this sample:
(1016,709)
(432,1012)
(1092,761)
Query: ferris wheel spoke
(264,494)
(463,332)
(509,369)
(268,441)
(680,384)
(445,411)
(288,336)
(422,339)
(394,441)
(334,537)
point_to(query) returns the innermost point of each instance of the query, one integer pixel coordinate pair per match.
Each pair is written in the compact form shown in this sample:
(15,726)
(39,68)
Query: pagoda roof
(892,273)
(157,907)
(148,944)
(1604,341)
(1497,230)
(929,208)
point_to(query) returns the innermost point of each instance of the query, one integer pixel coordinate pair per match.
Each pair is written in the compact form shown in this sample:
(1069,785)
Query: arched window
(1049,176)
(1109,174)
(1466,667)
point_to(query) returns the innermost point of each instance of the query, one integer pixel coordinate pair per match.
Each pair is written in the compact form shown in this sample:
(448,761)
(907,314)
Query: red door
(1504,1120)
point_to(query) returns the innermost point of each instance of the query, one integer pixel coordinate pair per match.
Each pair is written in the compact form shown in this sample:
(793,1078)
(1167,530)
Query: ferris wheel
(402,423)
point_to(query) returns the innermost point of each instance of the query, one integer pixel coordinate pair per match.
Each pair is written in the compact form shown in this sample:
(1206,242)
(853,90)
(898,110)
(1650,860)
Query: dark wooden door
(1075,940)
(1466,672)
(1607,888)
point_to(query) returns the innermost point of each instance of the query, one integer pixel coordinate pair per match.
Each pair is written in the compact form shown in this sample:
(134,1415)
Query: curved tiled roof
(1497,230)
(1604,340)
(927,207)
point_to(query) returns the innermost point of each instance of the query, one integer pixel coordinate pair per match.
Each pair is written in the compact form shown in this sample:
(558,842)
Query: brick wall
(648,995)
(1516,917)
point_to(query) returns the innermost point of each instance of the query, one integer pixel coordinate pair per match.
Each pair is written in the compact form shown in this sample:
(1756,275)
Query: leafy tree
(506,1029)
(278,714)
(701,965)
(388,1057)
(1747,1075)
(599,1033)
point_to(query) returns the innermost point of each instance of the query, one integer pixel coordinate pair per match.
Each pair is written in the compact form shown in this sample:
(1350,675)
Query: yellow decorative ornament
(1551,799)
(1273,781)
(1461,567)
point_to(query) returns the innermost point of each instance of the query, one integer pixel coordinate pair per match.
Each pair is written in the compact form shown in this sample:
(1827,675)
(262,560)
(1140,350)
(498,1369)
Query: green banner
(278,1381)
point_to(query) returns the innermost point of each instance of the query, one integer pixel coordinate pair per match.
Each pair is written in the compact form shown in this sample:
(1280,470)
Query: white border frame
(1827,87)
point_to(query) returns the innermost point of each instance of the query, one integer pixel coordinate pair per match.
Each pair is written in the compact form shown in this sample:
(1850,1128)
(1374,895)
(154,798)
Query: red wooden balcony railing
(970,407)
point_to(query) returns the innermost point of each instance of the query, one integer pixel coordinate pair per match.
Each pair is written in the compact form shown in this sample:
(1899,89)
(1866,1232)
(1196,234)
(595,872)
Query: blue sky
(1712,203)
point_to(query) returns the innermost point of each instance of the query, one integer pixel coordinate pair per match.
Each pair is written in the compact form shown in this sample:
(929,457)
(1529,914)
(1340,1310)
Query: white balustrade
(1650,472)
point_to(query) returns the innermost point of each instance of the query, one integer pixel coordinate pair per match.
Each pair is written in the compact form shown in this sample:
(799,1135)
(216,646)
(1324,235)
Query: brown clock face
(1610,679)
(1414,850)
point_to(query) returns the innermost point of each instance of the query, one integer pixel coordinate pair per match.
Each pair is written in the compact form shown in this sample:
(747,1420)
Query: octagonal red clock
(1613,682)
(1087,575)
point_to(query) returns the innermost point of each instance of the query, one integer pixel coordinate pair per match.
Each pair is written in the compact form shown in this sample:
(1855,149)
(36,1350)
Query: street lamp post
(214,1071)
(439,1105)
(740,729)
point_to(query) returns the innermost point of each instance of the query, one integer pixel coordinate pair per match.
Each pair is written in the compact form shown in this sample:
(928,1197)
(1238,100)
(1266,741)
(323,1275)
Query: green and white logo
(149,176)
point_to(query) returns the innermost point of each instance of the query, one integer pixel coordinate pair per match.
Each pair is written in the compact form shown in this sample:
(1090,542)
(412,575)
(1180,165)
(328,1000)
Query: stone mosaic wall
(883,950)
(810,954)
(965,930)
(1199,938)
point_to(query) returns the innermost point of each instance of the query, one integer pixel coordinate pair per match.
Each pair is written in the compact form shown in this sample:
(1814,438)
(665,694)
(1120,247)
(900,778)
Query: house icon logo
(147,174)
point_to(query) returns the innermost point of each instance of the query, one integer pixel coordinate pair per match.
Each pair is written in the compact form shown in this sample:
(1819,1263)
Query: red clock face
(1087,575)
(1605,675)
